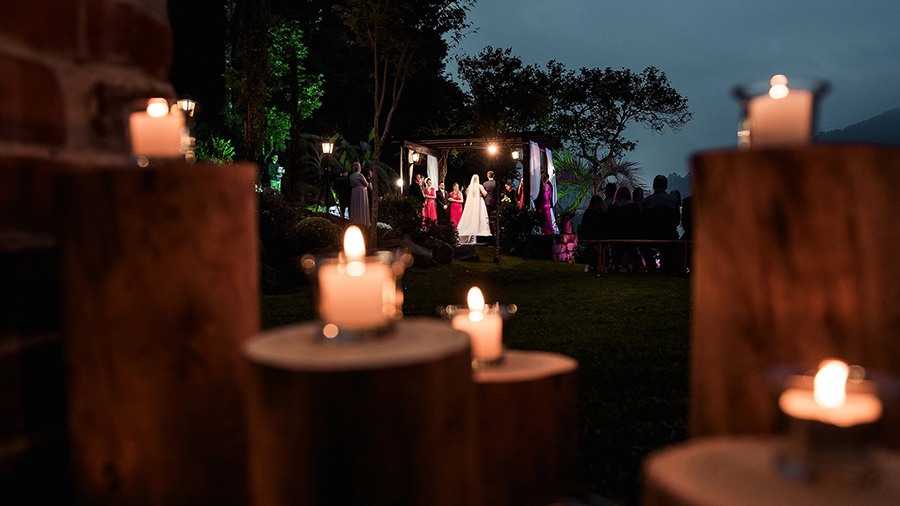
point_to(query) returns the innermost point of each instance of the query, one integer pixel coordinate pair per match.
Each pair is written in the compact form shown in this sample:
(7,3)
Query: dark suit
(491,199)
(342,188)
(443,207)
(415,191)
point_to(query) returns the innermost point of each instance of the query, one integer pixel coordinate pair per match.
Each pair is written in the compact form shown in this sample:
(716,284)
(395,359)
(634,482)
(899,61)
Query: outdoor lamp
(327,147)
(517,154)
(492,148)
(415,157)
(187,105)
(400,182)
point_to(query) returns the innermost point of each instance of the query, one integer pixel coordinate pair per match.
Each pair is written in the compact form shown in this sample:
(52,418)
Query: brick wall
(67,71)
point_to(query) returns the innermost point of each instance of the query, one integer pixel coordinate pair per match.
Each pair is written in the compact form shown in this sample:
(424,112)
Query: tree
(594,107)
(399,34)
(505,96)
(247,73)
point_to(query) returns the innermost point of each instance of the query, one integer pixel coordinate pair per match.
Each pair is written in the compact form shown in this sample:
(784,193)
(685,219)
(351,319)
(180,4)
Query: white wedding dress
(474,219)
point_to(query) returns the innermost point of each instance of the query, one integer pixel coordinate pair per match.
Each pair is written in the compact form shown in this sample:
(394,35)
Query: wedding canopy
(530,144)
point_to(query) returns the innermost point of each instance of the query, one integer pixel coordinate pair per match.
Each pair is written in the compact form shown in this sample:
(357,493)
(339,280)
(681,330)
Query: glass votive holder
(831,437)
(778,112)
(484,325)
(157,130)
(357,298)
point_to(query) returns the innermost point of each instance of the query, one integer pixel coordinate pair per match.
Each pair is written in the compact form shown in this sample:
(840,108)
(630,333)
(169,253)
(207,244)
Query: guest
(359,198)
(456,204)
(661,216)
(545,204)
(638,196)
(474,219)
(343,190)
(609,194)
(429,212)
(593,227)
(443,206)
(623,218)
(509,193)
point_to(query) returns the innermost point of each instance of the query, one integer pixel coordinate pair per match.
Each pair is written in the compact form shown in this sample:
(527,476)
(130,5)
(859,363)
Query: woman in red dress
(429,212)
(456,204)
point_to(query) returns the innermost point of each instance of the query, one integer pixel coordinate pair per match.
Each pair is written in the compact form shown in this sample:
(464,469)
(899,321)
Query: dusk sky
(706,47)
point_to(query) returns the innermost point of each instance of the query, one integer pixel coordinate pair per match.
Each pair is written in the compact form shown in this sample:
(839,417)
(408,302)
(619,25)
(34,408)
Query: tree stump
(527,428)
(160,286)
(795,260)
(386,421)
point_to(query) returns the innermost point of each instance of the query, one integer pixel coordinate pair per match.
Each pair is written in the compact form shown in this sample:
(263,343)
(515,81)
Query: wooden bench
(603,247)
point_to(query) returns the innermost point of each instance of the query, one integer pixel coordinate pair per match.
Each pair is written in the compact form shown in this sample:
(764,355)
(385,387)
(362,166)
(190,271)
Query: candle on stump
(158,131)
(356,293)
(830,426)
(485,328)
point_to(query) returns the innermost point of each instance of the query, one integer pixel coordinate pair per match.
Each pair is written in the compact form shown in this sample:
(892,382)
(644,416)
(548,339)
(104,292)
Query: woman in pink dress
(429,212)
(456,204)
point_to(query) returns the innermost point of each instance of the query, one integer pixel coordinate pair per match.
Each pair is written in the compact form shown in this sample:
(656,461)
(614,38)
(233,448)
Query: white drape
(433,170)
(534,168)
(551,171)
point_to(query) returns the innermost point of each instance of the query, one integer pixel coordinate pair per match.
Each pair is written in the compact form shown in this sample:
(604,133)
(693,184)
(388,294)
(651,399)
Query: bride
(474,219)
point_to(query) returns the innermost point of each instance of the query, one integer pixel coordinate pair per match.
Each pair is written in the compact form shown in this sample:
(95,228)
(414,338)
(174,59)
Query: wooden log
(160,287)
(795,258)
(527,428)
(389,421)
(744,471)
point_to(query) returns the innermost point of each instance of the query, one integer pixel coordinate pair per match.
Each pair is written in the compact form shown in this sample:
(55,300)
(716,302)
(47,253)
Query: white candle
(782,117)
(158,131)
(485,328)
(829,402)
(355,293)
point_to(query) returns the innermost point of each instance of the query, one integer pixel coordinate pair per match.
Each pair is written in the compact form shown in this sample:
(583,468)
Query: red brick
(122,33)
(42,24)
(32,109)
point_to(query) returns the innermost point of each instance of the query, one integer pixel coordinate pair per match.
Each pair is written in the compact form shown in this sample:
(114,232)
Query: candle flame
(476,304)
(779,87)
(157,107)
(830,384)
(354,244)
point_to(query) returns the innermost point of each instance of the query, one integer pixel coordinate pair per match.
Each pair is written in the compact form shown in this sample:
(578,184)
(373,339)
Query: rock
(466,253)
(442,252)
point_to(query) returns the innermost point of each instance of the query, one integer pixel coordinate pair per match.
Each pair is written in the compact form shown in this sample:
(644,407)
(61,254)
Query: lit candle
(782,117)
(355,293)
(157,132)
(484,326)
(829,402)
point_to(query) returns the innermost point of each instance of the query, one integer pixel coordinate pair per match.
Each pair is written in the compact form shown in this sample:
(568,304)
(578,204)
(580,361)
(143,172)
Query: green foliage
(402,212)
(505,95)
(214,149)
(287,57)
(315,233)
(517,225)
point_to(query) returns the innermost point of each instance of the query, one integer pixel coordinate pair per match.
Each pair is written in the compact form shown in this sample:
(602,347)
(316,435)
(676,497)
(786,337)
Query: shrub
(517,225)
(315,233)
(402,212)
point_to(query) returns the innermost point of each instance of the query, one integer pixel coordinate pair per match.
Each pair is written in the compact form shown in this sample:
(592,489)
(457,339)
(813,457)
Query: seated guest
(623,217)
(593,227)
(660,217)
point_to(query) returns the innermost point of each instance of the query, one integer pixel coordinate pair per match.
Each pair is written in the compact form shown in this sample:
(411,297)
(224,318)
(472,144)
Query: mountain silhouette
(881,129)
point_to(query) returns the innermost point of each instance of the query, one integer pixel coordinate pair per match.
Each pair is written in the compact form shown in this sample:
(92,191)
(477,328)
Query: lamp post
(325,189)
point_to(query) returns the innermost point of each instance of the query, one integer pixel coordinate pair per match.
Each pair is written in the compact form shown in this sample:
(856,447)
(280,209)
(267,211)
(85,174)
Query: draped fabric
(535,170)
(551,171)
(433,169)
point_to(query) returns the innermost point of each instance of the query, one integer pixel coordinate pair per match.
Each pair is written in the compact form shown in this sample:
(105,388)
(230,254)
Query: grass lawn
(628,332)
